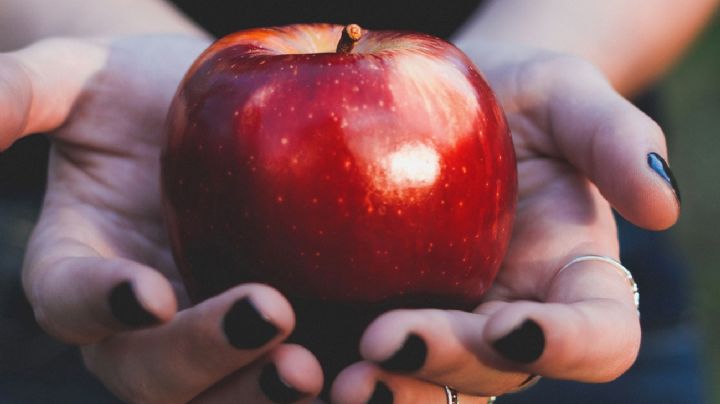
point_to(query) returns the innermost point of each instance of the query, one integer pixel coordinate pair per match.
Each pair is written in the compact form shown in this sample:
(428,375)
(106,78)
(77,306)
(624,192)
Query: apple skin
(384,177)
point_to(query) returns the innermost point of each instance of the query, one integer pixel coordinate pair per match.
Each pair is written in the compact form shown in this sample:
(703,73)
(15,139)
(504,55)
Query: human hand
(98,270)
(581,148)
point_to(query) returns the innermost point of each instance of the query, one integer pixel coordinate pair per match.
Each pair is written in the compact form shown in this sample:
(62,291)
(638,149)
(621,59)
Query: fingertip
(252,316)
(385,335)
(621,149)
(591,341)
(81,300)
(502,321)
(248,328)
(648,194)
(668,203)
(298,367)
(524,343)
(355,384)
(409,357)
(271,303)
(153,295)
(127,309)
(515,333)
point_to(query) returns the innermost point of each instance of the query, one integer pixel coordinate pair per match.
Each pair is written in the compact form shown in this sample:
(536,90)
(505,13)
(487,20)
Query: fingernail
(126,308)
(660,166)
(409,358)
(246,328)
(524,344)
(381,395)
(275,388)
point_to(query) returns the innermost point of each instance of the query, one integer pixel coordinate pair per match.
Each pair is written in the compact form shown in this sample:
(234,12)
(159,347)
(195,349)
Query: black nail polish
(660,166)
(275,388)
(409,358)
(246,328)
(524,344)
(381,394)
(126,308)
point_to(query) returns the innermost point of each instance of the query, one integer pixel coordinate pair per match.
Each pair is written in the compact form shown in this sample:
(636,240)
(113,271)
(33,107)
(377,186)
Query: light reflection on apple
(412,165)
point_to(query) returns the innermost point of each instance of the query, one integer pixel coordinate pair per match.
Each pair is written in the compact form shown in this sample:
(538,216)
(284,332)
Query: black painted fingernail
(126,308)
(660,166)
(246,328)
(409,358)
(524,344)
(275,388)
(381,394)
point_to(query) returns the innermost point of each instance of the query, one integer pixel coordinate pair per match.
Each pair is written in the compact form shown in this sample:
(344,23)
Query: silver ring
(451,395)
(615,263)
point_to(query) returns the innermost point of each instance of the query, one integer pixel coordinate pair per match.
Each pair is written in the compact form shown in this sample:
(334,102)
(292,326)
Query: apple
(347,168)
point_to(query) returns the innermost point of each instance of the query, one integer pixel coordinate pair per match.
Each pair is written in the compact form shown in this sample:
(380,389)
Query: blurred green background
(691,98)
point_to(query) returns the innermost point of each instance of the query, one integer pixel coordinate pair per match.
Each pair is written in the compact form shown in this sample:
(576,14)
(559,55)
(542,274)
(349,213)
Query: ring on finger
(615,263)
(451,395)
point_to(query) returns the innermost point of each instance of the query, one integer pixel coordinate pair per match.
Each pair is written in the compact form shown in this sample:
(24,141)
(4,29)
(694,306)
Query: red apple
(375,172)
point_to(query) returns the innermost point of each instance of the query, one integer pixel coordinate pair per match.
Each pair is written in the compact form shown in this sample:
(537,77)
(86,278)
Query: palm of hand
(560,214)
(579,145)
(105,159)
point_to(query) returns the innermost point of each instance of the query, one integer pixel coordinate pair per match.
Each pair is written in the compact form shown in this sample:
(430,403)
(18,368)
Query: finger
(80,290)
(496,349)
(199,348)
(82,300)
(365,383)
(617,146)
(588,331)
(39,85)
(438,346)
(289,374)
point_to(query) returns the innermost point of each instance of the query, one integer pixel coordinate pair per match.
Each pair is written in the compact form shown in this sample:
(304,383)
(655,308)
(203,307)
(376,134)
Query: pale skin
(102,97)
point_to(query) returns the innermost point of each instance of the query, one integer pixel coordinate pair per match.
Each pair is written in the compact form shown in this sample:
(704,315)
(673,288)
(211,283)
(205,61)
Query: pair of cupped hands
(99,272)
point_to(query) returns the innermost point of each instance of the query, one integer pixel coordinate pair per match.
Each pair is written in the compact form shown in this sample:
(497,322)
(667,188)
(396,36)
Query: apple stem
(350,34)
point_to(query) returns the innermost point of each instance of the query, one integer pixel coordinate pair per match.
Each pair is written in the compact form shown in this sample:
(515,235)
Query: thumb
(40,84)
